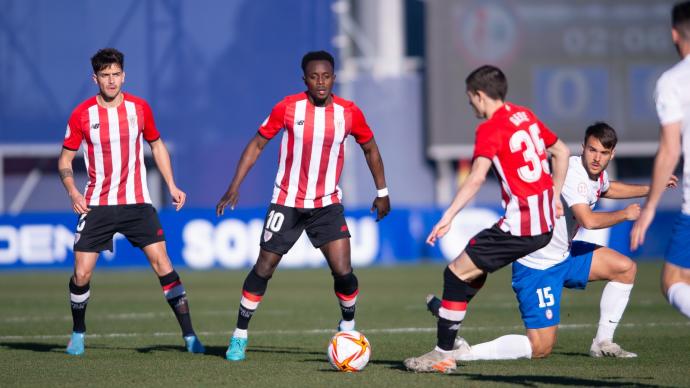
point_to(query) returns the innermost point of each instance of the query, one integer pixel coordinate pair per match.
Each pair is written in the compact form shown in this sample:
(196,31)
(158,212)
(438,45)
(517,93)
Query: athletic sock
(176,296)
(614,299)
(456,295)
(679,297)
(508,347)
(346,288)
(252,291)
(79,298)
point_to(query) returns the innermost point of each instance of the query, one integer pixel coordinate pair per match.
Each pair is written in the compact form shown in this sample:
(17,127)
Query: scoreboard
(571,62)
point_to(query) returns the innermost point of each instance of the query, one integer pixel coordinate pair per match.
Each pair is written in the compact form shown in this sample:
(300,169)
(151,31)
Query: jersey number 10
(532,147)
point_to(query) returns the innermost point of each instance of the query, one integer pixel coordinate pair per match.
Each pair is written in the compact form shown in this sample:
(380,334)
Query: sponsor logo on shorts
(160,232)
(77,236)
(549,314)
(267,235)
(343,228)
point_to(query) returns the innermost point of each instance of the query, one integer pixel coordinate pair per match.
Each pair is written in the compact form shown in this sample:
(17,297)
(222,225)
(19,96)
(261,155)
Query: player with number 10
(306,195)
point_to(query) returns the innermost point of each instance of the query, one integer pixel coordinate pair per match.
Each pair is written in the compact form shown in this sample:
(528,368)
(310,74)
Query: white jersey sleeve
(667,100)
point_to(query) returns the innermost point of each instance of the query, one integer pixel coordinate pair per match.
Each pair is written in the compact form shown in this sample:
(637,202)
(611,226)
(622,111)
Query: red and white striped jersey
(516,141)
(312,149)
(114,149)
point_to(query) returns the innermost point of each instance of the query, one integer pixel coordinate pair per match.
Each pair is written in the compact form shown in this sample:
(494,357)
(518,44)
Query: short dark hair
(604,133)
(490,80)
(106,57)
(320,55)
(680,19)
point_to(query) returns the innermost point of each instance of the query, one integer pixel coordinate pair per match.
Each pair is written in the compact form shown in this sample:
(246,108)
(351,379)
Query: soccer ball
(349,351)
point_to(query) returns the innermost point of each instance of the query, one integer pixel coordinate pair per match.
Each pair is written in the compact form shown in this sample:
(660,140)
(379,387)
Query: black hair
(106,57)
(490,80)
(317,56)
(680,19)
(604,133)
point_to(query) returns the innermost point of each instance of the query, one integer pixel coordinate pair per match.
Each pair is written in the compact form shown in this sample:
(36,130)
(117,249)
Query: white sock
(240,333)
(444,352)
(508,347)
(614,299)
(347,325)
(679,297)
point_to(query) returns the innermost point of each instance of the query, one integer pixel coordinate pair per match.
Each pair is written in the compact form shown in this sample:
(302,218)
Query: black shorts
(492,248)
(138,223)
(284,225)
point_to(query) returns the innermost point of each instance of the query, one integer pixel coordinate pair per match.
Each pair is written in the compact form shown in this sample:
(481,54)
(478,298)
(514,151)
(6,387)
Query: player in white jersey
(672,98)
(539,278)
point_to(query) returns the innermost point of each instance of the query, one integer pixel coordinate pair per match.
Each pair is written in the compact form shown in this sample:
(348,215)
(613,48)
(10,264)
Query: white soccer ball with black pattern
(349,351)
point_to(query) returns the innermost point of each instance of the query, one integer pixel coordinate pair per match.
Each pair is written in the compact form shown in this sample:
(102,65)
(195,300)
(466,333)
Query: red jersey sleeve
(360,129)
(485,144)
(549,137)
(74,133)
(150,131)
(274,122)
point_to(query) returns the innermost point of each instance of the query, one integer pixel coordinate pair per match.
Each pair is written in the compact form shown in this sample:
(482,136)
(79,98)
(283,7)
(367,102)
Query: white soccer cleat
(434,361)
(461,350)
(608,348)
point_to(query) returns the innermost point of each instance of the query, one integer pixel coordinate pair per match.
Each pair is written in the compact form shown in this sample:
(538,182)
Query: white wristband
(382,192)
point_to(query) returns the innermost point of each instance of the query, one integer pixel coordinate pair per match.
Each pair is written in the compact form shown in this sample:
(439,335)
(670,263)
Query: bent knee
(541,351)
(81,277)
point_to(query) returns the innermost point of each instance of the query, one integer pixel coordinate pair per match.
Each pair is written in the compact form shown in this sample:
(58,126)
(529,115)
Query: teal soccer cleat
(75,346)
(236,350)
(193,344)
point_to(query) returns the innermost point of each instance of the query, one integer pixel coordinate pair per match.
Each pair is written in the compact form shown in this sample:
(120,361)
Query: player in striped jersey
(515,143)
(539,278)
(306,195)
(111,127)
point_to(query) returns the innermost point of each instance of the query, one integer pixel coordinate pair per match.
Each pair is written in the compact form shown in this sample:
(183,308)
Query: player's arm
(162,158)
(472,184)
(67,176)
(665,162)
(589,219)
(382,203)
(559,165)
(620,190)
(249,156)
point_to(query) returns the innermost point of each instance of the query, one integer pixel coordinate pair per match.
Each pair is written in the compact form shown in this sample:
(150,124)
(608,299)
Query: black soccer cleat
(433,304)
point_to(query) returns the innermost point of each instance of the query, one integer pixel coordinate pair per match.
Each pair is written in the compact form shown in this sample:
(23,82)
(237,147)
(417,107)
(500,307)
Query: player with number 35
(515,143)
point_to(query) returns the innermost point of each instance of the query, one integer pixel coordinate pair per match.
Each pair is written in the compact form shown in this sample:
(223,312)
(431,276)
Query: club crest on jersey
(549,314)
(132,120)
(582,188)
(267,235)
(339,124)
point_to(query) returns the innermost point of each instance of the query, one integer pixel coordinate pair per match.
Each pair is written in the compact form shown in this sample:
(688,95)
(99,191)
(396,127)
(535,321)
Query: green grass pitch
(133,338)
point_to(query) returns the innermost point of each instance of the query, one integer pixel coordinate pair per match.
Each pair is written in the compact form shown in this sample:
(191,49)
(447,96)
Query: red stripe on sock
(252,297)
(451,305)
(347,297)
(172,285)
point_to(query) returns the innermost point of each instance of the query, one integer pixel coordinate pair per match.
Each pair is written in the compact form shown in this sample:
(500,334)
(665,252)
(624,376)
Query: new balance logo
(301,122)
(96,126)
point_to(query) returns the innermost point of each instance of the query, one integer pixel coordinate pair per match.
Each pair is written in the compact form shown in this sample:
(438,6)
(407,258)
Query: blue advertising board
(197,239)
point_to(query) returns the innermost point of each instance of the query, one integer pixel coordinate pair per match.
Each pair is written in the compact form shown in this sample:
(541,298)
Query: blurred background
(213,69)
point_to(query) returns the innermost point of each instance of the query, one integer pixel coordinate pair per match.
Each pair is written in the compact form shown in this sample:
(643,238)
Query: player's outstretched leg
(346,289)
(252,291)
(176,296)
(79,298)
(456,294)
